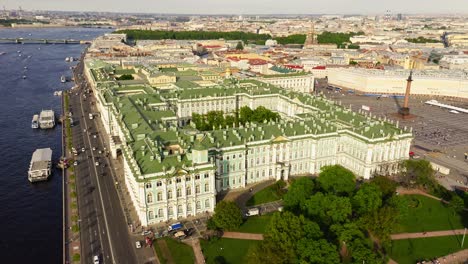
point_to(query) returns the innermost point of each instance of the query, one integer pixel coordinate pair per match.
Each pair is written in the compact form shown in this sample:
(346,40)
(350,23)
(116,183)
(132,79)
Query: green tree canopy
(285,229)
(125,77)
(195,35)
(367,199)
(228,215)
(329,209)
(419,172)
(457,204)
(382,222)
(298,192)
(317,252)
(386,185)
(239,46)
(336,179)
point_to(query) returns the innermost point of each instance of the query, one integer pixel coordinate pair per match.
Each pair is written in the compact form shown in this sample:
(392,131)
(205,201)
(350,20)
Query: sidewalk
(246,236)
(427,234)
(199,257)
(241,196)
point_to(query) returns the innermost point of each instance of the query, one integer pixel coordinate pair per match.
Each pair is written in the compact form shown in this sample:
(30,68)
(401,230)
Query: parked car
(96,260)
(138,244)
(97,163)
(75,163)
(146,232)
(252,212)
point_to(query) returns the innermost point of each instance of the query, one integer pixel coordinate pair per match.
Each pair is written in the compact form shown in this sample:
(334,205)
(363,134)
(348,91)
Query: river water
(31,214)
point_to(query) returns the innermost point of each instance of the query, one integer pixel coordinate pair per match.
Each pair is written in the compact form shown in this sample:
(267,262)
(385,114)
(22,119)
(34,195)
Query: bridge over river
(41,41)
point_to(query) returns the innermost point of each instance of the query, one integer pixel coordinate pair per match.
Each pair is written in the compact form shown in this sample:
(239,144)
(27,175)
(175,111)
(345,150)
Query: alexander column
(405,111)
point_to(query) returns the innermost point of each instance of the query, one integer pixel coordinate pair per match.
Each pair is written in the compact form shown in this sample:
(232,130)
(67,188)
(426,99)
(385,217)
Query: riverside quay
(174,170)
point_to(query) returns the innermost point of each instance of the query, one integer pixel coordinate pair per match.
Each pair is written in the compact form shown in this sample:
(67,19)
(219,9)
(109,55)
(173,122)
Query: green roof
(149,116)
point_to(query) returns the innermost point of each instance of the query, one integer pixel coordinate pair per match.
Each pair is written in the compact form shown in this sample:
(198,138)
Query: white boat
(63,79)
(47,119)
(2,53)
(35,121)
(40,166)
(67,59)
(24,76)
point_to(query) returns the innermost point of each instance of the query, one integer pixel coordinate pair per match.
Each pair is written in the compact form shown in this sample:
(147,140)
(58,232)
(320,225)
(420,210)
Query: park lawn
(255,224)
(233,251)
(427,214)
(181,253)
(266,195)
(413,250)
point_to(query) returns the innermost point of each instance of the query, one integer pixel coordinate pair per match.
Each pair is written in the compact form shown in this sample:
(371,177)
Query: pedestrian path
(427,234)
(457,257)
(199,257)
(246,236)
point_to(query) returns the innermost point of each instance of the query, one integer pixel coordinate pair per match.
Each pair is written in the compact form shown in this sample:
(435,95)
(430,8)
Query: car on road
(94,148)
(96,260)
(138,244)
(97,163)
(146,232)
(82,149)
(75,163)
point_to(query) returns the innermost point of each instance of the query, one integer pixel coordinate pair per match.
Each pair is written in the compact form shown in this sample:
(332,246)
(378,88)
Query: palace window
(197,188)
(207,187)
(148,185)
(188,190)
(159,197)
(149,198)
(198,205)
(207,203)
(150,215)
(179,192)
(159,184)
(160,213)
(169,194)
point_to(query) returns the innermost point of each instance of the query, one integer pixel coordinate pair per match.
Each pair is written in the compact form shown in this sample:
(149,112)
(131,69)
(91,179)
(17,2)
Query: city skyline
(245,7)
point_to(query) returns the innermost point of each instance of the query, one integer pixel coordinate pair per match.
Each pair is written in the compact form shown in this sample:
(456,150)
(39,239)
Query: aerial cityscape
(232,133)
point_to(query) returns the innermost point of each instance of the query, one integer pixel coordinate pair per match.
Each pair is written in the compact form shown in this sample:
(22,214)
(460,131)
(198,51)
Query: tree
(239,46)
(299,191)
(125,77)
(317,251)
(381,222)
(457,204)
(228,215)
(265,252)
(361,252)
(347,233)
(419,172)
(367,199)
(353,63)
(329,209)
(245,114)
(336,179)
(400,203)
(386,186)
(283,232)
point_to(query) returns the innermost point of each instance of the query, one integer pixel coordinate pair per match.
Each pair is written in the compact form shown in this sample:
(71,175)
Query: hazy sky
(247,6)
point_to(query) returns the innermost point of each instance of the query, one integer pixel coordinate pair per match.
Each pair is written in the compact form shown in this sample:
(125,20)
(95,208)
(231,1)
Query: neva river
(31,214)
